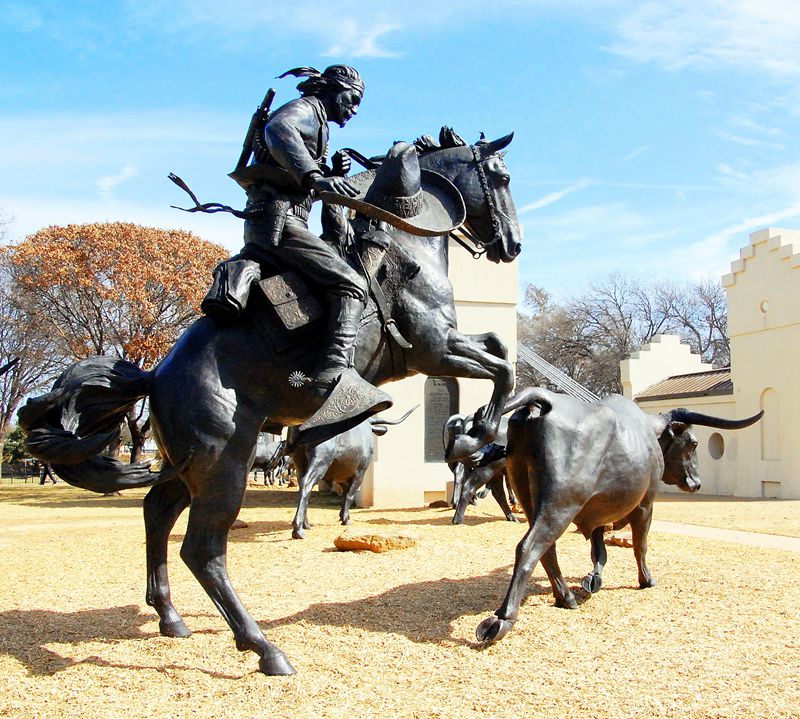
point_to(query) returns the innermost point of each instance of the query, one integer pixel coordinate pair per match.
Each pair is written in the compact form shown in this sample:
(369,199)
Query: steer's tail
(69,426)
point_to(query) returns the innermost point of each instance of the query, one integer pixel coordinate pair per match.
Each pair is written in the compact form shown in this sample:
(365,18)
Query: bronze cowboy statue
(289,149)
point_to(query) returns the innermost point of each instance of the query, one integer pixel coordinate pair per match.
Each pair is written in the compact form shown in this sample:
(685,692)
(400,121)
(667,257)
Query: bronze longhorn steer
(591,464)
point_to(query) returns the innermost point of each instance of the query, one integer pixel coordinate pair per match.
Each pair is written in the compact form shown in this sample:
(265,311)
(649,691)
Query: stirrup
(351,401)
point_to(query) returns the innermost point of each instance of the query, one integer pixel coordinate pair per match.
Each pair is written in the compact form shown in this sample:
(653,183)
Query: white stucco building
(763,290)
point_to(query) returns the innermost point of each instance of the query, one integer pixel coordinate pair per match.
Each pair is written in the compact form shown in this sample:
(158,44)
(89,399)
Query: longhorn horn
(687,416)
(380,420)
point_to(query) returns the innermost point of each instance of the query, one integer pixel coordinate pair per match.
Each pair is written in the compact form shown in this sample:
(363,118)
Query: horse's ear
(493,147)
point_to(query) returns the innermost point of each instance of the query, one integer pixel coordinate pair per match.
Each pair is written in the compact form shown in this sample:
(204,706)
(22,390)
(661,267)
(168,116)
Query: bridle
(479,246)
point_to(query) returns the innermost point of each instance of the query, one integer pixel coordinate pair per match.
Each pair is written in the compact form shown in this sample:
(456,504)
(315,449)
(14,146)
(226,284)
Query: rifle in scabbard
(259,119)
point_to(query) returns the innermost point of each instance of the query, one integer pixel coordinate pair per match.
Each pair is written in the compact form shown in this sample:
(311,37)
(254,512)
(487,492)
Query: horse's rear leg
(214,509)
(163,505)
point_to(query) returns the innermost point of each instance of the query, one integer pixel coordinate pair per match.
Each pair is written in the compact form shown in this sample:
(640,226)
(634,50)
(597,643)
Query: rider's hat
(421,202)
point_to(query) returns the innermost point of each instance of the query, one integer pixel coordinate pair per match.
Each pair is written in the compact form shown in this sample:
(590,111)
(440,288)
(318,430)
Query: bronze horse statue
(211,394)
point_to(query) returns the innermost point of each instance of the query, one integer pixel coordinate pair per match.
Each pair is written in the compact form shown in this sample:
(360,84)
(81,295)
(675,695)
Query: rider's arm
(285,135)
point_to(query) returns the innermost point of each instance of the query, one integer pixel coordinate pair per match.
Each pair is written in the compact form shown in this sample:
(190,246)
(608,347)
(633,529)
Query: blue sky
(651,137)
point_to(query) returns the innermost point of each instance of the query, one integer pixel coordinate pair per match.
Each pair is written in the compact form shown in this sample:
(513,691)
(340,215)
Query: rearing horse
(217,386)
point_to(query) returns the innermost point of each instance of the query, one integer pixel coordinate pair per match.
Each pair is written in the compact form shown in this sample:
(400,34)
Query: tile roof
(696,384)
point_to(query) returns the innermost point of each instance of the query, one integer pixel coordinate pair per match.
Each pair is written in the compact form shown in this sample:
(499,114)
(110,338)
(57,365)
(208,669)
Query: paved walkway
(771,541)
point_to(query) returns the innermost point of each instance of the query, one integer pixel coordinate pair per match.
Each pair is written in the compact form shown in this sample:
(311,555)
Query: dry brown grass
(386,635)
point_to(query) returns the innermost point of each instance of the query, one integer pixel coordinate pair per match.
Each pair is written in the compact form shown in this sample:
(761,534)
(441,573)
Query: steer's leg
(594,580)
(319,461)
(163,505)
(561,591)
(349,496)
(549,524)
(640,519)
(497,485)
(474,478)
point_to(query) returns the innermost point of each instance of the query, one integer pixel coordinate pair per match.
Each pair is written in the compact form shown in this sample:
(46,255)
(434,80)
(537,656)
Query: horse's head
(481,176)
(491,214)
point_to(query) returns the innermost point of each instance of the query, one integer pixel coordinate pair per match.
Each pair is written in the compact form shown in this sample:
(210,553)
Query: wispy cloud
(552,197)
(634,154)
(753,36)
(712,254)
(107,184)
(346,29)
(748,141)
(355,40)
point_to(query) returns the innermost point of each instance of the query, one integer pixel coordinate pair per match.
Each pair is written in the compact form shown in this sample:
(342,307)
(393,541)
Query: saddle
(286,309)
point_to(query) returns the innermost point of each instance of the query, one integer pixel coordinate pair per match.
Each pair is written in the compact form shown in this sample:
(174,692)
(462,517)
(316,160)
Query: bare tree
(26,352)
(114,288)
(588,335)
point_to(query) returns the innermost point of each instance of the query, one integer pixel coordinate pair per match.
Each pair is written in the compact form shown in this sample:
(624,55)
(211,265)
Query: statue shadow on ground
(424,611)
(39,496)
(25,634)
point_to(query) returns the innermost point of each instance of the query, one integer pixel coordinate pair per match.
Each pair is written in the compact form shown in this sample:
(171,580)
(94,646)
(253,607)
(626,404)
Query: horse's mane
(448,137)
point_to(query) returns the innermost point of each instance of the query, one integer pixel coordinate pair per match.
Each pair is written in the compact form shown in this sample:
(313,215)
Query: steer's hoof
(647,583)
(592,582)
(568,601)
(493,629)
(177,629)
(276,665)
(298,533)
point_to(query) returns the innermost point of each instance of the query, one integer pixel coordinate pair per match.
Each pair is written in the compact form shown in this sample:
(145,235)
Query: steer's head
(679,446)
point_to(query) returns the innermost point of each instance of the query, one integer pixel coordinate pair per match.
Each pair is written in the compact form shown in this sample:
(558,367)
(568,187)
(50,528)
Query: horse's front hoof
(276,665)
(647,583)
(298,533)
(176,629)
(592,582)
(493,629)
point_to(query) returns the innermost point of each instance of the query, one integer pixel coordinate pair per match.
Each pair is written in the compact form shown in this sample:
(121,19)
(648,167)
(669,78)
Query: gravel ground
(392,634)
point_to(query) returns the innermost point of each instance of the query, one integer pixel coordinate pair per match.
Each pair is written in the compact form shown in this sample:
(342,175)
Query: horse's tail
(69,426)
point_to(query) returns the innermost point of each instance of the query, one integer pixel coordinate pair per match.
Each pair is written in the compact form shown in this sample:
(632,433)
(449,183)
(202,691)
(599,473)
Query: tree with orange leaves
(114,288)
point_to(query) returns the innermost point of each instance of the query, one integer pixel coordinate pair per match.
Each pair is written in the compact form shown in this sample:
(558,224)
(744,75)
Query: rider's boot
(349,399)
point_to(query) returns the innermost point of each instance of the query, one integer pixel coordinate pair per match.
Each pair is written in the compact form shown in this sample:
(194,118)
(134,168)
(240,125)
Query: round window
(716,445)
(764,306)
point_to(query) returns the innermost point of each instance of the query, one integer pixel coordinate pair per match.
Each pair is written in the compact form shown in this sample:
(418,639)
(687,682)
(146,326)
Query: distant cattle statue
(591,464)
(486,467)
(269,456)
(343,459)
